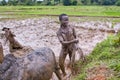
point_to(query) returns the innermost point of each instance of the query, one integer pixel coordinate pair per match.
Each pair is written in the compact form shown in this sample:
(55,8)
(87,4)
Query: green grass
(86,13)
(106,52)
(109,11)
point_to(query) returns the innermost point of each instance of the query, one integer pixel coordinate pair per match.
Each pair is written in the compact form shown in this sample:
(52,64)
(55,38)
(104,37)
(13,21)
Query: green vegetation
(24,11)
(107,53)
(59,2)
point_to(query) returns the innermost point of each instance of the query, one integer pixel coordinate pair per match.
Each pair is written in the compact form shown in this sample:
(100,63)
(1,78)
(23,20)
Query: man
(67,37)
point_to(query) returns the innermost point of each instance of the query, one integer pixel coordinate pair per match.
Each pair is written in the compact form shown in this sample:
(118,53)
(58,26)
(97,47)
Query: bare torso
(67,35)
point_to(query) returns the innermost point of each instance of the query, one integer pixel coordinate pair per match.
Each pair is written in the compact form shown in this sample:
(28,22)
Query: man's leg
(1,53)
(62,60)
(73,60)
(70,55)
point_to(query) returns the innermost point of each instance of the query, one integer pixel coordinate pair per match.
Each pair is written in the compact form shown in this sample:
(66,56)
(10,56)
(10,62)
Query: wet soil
(41,32)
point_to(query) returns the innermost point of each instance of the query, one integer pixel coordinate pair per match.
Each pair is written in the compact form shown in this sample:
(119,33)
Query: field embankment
(104,61)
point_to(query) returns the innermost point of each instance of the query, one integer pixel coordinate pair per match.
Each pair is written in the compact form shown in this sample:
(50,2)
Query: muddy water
(42,32)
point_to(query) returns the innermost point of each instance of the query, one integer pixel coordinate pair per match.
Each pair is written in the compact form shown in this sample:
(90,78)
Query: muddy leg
(1,53)
(61,61)
(69,63)
(73,61)
(58,74)
(70,56)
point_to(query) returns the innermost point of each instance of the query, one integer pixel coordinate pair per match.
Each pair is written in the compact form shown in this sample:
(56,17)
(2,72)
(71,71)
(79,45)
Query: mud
(41,32)
(101,72)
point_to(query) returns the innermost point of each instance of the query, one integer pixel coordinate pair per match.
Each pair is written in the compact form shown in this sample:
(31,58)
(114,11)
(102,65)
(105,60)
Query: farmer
(67,37)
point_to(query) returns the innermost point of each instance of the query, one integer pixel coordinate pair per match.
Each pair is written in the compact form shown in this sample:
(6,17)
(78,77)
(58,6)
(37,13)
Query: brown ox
(38,65)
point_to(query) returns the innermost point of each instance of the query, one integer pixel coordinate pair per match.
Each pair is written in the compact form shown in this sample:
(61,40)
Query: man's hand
(76,40)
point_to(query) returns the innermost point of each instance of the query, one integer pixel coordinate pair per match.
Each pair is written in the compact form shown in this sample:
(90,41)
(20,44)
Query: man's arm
(74,33)
(63,42)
